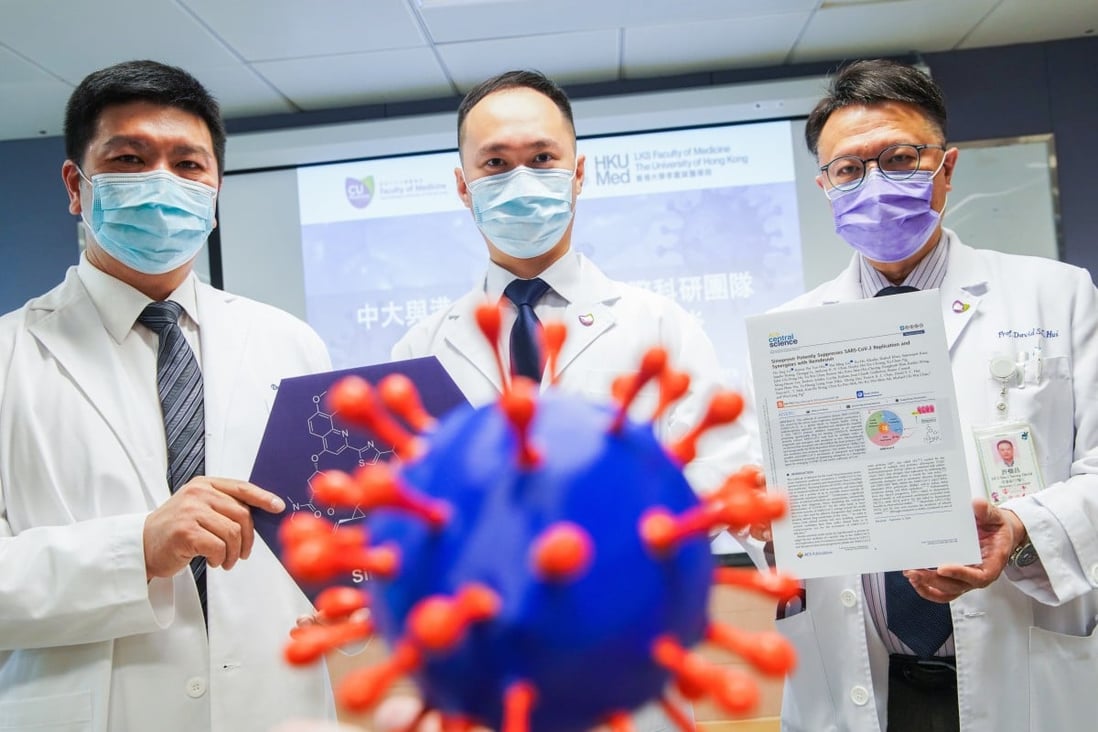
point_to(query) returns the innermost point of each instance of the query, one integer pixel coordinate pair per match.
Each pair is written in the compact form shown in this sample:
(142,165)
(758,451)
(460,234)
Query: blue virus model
(537,564)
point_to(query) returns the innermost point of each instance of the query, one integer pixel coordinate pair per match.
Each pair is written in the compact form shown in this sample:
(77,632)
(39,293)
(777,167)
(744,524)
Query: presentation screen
(707,196)
(707,217)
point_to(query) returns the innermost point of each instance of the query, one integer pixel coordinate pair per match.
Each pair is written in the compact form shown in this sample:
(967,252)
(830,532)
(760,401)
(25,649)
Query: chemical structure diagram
(341,449)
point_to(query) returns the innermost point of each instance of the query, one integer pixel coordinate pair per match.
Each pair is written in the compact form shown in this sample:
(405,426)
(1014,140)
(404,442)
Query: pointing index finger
(249,494)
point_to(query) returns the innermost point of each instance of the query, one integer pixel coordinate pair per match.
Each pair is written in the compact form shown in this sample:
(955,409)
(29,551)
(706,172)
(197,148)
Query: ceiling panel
(457,22)
(33,110)
(242,92)
(569,58)
(662,12)
(282,29)
(33,101)
(14,69)
(1021,21)
(662,50)
(273,56)
(358,78)
(840,31)
(72,39)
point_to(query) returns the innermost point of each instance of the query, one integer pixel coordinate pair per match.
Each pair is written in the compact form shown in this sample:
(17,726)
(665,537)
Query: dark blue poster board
(303,438)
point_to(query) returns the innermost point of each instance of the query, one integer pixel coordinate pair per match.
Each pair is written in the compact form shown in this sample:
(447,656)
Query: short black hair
(877,81)
(517,79)
(139,81)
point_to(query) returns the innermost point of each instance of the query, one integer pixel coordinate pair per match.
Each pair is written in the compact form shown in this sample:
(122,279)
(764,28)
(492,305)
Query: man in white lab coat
(520,175)
(1020,653)
(102,625)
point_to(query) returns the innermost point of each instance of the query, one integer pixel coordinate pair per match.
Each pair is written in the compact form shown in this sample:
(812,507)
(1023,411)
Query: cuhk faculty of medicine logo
(360,191)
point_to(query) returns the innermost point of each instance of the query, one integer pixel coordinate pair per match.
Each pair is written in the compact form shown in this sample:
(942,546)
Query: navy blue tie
(921,624)
(179,383)
(895,290)
(525,340)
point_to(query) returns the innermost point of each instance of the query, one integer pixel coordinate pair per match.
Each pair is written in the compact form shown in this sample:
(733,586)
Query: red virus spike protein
(537,602)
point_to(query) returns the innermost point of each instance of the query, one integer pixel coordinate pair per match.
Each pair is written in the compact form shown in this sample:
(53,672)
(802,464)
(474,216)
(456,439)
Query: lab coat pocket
(811,701)
(1063,677)
(59,713)
(1049,407)
(597,385)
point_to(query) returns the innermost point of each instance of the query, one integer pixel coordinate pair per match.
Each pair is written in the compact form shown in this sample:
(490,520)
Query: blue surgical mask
(151,222)
(887,220)
(523,212)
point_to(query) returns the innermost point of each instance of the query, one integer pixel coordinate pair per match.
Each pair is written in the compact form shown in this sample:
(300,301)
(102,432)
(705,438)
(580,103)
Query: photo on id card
(1008,461)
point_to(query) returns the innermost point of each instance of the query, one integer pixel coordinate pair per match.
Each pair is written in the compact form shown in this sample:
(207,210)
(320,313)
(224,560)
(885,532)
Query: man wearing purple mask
(1007,644)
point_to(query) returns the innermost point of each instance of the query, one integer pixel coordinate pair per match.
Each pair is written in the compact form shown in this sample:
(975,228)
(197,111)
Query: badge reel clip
(1005,371)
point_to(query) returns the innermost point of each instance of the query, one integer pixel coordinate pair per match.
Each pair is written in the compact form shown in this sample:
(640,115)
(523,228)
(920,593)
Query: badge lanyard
(1008,458)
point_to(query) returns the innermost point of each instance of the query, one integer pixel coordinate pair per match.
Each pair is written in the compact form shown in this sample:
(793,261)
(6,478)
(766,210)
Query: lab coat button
(196,687)
(859,695)
(848,598)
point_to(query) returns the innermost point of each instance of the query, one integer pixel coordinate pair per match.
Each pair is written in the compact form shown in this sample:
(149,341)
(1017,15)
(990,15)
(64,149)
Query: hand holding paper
(999,531)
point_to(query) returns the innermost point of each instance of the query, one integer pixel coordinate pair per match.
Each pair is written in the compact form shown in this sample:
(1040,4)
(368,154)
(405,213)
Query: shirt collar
(928,274)
(563,276)
(119,304)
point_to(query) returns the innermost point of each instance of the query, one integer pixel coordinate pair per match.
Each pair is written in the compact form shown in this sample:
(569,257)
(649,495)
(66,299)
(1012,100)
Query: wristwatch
(1024,555)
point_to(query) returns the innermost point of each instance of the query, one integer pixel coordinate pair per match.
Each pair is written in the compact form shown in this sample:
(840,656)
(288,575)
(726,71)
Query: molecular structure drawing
(336,440)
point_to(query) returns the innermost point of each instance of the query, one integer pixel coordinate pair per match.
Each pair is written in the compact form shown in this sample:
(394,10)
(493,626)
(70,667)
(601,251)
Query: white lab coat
(625,321)
(76,483)
(1027,655)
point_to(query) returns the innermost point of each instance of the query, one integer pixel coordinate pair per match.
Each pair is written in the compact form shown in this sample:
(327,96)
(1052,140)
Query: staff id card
(1008,461)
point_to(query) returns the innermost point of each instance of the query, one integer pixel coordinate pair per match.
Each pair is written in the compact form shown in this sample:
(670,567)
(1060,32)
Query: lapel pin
(960,307)
(587,319)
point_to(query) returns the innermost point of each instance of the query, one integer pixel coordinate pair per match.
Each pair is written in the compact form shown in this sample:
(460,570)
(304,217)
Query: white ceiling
(276,56)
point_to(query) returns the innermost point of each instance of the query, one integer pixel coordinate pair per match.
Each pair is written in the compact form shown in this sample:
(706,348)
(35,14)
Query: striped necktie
(179,383)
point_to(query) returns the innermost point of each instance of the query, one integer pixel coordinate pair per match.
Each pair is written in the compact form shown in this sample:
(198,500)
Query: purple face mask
(886,220)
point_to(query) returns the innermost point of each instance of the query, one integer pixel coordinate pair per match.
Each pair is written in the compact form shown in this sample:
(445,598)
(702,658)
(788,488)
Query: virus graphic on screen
(539,563)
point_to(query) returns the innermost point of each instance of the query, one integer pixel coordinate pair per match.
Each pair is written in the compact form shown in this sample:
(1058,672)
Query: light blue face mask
(151,222)
(523,212)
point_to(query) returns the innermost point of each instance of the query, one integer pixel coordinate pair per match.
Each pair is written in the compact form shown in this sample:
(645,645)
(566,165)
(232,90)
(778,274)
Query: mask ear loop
(84,209)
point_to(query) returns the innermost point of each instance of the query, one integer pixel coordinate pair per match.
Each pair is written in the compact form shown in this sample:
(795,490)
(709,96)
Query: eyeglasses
(896,162)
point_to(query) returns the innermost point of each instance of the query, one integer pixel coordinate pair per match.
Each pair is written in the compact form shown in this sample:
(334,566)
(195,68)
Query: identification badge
(1008,461)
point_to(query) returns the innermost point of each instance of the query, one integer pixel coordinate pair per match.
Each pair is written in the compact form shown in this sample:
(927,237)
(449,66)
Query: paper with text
(859,426)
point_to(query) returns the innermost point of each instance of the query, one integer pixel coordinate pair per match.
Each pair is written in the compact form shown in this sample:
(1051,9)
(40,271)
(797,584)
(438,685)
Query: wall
(1033,89)
(37,233)
(997,92)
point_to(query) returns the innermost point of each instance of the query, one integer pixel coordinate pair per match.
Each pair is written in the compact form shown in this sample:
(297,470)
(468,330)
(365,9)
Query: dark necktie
(895,290)
(922,625)
(525,342)
(179,383)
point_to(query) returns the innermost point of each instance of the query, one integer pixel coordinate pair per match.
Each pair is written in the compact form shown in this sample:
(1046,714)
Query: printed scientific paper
(859,426)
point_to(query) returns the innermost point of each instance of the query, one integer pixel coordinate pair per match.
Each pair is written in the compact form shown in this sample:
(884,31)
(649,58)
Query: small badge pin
(587,319)
(960,307)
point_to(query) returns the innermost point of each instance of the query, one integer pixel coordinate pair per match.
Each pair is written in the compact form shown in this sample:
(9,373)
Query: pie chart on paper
(884,428)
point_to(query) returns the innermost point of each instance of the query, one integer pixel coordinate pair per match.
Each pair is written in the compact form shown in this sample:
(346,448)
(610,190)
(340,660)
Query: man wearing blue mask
(1007,645)
(520,176)
(134,594)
